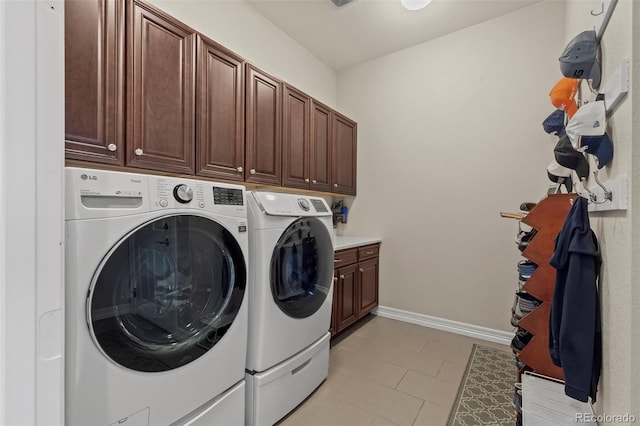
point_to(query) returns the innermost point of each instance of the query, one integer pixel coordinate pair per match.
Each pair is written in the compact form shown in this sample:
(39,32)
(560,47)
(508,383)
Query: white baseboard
(475,331)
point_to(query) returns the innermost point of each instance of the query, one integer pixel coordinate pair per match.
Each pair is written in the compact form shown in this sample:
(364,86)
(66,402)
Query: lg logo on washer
(88,177)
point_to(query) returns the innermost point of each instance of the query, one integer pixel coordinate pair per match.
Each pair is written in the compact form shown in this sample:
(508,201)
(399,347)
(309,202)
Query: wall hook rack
(608,194)
(599,13)
(601,19)
(590,195)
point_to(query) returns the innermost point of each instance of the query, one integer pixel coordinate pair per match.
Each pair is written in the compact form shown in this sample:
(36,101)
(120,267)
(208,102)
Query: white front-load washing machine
(291,257)
(156,303)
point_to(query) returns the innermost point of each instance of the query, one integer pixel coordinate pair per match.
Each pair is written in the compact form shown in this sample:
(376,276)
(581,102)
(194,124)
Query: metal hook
(608,194)
(592,195)
(601,10)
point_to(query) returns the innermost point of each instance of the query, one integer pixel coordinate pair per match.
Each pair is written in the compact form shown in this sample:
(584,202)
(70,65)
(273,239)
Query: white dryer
(290,296)
(156,304)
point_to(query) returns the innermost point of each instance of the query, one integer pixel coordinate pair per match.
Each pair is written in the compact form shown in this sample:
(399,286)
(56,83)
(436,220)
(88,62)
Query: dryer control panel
(279,204)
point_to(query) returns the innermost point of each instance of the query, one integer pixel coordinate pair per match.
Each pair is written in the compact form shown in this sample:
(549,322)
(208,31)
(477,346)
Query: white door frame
(31,212)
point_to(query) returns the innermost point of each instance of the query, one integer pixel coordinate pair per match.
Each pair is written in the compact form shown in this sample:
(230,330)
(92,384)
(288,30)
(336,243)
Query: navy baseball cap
(580,58)
(554,123)
(600,146)
(568,157)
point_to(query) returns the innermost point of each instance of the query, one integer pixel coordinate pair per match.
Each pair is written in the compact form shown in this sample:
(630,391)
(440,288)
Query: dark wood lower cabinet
(346,291)
(368,279)
(355,291)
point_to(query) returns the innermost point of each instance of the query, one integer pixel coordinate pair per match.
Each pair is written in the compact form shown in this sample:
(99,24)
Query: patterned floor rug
(485,396)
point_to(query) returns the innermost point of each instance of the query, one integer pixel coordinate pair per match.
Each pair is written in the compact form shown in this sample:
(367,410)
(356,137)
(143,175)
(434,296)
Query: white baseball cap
(558,170)
(589,120)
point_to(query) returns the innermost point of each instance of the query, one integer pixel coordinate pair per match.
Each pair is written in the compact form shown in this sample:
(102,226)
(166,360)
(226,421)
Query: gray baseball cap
(580,58)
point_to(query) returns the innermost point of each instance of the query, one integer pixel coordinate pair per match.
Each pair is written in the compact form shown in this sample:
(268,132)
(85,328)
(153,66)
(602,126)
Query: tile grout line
(417,414)
(401,379)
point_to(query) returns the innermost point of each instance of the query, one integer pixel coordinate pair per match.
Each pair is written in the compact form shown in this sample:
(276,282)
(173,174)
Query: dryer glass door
(166,293)
(302,268)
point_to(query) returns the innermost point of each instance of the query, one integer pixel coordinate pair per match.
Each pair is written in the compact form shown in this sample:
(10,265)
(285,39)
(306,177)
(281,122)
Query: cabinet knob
(342,277)
(314,181)
(112,147)
(138,151)
(307,180)
(335,279)
(335,185)
(252,171)
(239,169)
(361,270)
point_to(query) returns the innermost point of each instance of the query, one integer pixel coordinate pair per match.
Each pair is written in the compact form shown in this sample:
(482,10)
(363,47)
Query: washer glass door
(302,267)
(166,293)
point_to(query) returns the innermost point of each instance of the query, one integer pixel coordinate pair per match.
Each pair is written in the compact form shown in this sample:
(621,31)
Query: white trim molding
(475,331)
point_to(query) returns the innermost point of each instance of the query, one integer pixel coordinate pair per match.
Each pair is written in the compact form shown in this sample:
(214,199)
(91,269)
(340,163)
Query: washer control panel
(304,204)
(228,196)
(320,205)
(176,193)
(101,193)
(183,193)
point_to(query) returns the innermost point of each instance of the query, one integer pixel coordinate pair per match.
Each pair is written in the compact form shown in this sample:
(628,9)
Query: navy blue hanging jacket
(575,338)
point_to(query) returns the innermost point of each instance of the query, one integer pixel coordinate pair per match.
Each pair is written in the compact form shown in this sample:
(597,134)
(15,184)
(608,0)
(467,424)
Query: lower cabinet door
(368,279)
(334,305)
(347,294)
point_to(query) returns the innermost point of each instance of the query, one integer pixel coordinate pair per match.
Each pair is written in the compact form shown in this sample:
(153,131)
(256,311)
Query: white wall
(614,229)
(240,28)
(449,135)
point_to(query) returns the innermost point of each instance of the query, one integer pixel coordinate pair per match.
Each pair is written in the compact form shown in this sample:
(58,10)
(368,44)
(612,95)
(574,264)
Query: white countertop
(341,243)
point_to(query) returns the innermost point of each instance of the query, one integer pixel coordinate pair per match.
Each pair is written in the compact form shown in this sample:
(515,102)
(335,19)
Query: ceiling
(366,29)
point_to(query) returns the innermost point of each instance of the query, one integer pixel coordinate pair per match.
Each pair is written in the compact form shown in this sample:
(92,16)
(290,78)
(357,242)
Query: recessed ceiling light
(414,4)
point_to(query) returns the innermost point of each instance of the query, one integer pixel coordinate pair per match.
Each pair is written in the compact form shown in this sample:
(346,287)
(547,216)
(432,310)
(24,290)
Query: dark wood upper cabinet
(263,115)
(220,109)
(144,90)
(94,80)
(343,157)
(320,147)
(296,117)
(160,91)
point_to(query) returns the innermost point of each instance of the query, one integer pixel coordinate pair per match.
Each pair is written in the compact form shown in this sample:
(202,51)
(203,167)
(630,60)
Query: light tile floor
(385,372)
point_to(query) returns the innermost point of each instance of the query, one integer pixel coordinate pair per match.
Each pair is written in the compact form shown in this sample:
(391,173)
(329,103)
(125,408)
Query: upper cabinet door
(94,77)
(295,138)
(320,147)
(220,109)
(263,127)
(160,91)
(343,174)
